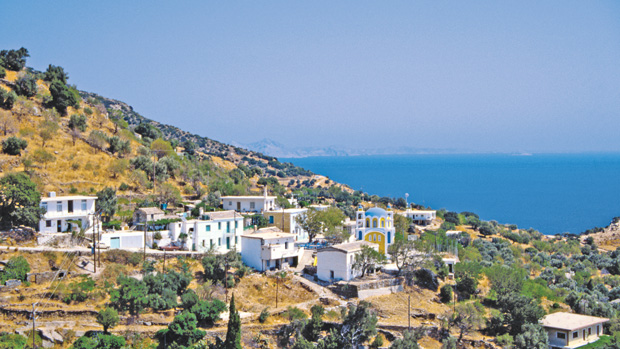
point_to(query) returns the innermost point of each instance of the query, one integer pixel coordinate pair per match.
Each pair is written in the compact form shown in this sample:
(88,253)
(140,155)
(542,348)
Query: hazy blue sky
(536,76)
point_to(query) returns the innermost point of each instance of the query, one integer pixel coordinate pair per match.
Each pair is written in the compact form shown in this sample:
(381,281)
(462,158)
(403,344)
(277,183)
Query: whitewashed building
(220,230)
(286,221)
(335,263)
(258,204)
(132,239)
(420,217)
(568,330)
(268,249)
(65,212)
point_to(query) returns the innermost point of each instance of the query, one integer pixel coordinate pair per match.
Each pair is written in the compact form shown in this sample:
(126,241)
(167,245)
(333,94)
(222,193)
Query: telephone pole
(33,325)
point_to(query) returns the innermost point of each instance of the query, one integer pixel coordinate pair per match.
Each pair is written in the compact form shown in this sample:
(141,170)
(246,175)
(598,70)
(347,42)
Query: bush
(294,313)
(123,187)
(262,318)
(26,85)
(78,122)
(427,279)
(16,268)
(445,293)
(14,145)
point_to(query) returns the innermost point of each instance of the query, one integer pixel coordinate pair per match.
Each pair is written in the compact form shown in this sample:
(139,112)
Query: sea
(552,193)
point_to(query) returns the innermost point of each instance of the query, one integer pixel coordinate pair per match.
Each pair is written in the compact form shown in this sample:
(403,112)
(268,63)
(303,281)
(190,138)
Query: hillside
(116,146)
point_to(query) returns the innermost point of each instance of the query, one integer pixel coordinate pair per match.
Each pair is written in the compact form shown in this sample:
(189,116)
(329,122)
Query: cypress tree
(233,335)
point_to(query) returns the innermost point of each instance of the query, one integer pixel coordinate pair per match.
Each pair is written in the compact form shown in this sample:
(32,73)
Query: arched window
(374,222)
(367,222)
(382,223)
(359,235)
(389,237)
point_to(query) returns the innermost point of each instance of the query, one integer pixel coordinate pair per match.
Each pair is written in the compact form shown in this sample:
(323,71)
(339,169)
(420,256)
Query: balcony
(277,251)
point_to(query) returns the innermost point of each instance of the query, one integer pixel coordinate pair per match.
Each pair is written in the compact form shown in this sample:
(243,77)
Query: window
(229,203)
(367,222)
(211,243)
(374,223)
(236,239)
(236,224)
(252,205)
(44,205)
(360,235)
(286,245)
(208,226)
(219,241)
(359,216)
(59,206)
(575,334)
(228,227)
(331,274)
(219,225)
(48,224)
(389,237)
(83,205)
(203,243)
(379,238)
(561,335)
(589,331)
(270,219)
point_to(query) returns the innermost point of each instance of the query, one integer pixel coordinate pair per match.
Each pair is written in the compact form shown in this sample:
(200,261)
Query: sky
(474,76)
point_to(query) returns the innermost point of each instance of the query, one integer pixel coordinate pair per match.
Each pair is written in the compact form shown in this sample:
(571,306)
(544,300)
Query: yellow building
(376,225)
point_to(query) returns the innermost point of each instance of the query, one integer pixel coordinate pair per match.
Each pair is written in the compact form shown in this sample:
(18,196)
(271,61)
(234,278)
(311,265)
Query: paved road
(88,250)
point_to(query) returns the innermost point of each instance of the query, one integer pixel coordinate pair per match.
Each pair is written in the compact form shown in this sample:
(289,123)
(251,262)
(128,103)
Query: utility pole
(163,269)
(95,227)
(33,325)
(409,311)
(146,223)
(277,288)
(98,219)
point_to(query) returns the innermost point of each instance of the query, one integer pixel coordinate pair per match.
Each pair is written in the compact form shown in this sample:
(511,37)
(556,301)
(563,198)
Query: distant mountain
(276,149)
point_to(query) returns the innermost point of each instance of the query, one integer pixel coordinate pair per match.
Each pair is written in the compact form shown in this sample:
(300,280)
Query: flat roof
(570,321)
(289,210)
(348,247)
(420,211)
(268,235)
(61,198)
(214,215)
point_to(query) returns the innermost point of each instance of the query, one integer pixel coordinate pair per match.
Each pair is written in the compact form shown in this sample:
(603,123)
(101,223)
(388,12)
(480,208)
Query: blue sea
(552,193)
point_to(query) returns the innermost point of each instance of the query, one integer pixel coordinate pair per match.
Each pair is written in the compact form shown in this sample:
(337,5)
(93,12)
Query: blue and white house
(220,230)
(63,213)
(376,225)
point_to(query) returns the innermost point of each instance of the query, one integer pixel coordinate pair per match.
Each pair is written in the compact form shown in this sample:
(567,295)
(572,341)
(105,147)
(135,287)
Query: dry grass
(255,292)
(392,308)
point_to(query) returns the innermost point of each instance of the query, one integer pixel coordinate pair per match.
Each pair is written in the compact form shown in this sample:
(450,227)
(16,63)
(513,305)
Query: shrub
(294,313)
(14,145)
(445,293)
(427,279)
(26,85)
(78,122)
(123,187)
(16,268)
(264,314)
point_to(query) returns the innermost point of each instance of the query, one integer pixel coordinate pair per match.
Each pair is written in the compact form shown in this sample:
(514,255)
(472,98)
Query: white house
(268,249)
(220,229)
(376,225)
(319,207)
(63,212)
(335,263)
(567,330)
(256,204)
(420,217)
(126,239)
(149,214)
(285,219)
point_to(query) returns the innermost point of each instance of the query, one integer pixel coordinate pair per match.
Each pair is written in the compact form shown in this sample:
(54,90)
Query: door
(115,242)
(238,206)
(70,203)
(228,243)
(59,226)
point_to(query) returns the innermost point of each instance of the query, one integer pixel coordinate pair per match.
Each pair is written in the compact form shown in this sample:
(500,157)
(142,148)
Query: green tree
(43,157)
(8,124)
(161,148)
(47,131)
(466,286)
(505,280)
(518,311)
(469,317)
(130,296)
(118,167)
(13,145)
(533,336)
(208,312)
(14,60)
(313,328)
(404,254)
(63,97)
(55,73)
(26,85)
(409,341)
(332,220)
(310,222)
(16,268)
(20,201)
(97,139)
(108,318)
(358,326)
(402,223)
(367,259)
(233,334)
(77,122)
(302,343)
(107,203)
(445,293)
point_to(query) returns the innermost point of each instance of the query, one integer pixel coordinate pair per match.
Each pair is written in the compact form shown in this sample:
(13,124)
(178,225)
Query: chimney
(52,194)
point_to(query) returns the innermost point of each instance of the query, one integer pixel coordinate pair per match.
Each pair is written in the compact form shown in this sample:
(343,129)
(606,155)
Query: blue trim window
(389,237)
(208,227)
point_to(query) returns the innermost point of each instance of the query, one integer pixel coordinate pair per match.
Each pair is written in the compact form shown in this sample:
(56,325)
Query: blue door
(115,243)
